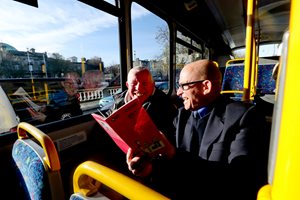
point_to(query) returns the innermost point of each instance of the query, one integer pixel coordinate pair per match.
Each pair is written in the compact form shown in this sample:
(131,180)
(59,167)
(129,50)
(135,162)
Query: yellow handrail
(229,63)
(120,183)
(51,156)
(231,91)
(234,61)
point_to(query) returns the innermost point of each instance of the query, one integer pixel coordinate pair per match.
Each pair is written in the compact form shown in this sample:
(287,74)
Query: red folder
(131,126)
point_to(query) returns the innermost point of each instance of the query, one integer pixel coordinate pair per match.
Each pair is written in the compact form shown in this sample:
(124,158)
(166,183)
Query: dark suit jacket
(231,163)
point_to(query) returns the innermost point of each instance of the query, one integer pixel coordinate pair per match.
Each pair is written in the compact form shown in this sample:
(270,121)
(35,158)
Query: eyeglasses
(186,86)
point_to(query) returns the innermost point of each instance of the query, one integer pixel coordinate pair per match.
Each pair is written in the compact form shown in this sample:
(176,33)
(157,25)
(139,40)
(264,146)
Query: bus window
(151,31)
(58,60)
(187,50)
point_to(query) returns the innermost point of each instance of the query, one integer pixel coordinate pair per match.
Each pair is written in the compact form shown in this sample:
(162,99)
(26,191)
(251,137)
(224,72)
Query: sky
(71,28)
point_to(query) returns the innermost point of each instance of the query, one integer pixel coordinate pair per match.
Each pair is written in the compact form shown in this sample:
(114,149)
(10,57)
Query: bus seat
(265,95)
(95,181)
(37,166)
(233,81)
(265,82)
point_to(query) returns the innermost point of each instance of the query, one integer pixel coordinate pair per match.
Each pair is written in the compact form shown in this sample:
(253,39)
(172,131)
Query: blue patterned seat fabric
(265,83)
(27,157)
(233,79)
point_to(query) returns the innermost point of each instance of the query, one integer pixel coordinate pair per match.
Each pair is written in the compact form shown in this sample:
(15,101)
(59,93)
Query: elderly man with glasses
(221,147)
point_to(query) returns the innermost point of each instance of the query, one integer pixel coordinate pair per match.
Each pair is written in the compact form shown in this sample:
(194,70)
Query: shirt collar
(202,111)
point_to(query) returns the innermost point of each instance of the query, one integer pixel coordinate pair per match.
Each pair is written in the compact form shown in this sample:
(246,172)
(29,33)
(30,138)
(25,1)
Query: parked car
(106,103)
(163,86)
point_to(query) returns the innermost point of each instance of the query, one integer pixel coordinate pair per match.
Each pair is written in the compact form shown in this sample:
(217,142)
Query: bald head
(200,84)
(140,70)
(202,70)
(140,83)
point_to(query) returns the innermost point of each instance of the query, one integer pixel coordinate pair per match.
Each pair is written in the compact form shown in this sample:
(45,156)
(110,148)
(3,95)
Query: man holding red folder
(158,105)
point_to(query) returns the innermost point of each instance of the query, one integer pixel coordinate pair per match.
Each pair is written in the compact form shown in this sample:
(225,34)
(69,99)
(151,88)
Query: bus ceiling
(271,20)
(216,25)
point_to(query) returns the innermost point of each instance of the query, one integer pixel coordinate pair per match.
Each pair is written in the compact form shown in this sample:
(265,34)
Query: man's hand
(139,165)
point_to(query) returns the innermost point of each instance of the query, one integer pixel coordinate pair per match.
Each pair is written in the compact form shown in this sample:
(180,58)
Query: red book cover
(131,126)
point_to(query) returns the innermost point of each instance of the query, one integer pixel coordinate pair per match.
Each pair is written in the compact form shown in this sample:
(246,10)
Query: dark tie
(198,130)
(195,142)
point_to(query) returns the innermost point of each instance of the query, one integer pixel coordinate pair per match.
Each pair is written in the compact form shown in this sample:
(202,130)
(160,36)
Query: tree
(182,52)
(57,66)
(56,56)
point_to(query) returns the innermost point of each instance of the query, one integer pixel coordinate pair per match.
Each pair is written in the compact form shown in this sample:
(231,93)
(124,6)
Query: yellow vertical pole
(44,70)
(83,65)
(100,67)
(33,88)
(46,92)
(249,48)
(254,70)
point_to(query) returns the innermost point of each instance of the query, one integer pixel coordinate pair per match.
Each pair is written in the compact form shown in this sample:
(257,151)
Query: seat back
(265,92)
(233,80)
(95,181)
(265,82)
(37,166)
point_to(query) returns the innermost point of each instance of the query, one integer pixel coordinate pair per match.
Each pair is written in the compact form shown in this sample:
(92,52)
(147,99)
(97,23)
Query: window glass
(265,50)
(186,54)
(56,61)
(150,44)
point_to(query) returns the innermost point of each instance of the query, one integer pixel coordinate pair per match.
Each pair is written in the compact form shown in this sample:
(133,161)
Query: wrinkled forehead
(187,74)
(140,76)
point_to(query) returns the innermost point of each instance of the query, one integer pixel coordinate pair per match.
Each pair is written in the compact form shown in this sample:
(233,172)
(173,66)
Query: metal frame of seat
(122,185)
(37,166)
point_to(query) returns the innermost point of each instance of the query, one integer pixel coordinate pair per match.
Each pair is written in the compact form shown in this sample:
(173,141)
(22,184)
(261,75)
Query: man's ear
(207,87)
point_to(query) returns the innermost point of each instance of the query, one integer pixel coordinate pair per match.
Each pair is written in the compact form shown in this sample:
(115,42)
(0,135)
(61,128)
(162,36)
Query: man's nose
(179,91)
